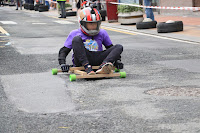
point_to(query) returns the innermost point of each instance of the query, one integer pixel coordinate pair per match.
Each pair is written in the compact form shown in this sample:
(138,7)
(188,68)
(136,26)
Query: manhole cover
(175,91)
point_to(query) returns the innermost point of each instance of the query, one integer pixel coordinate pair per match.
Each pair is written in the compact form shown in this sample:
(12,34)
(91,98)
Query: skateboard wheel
(72,77)
(122,74)
(54,71)
(117,70)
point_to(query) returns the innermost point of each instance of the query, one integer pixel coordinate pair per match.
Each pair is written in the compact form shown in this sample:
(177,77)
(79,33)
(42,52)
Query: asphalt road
(160,93)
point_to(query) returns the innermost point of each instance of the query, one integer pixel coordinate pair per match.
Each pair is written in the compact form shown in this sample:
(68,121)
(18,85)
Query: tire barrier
(71,13)
(37,6)
(146,25)
(31,6)
(167,27)
(43,8)
(25,6)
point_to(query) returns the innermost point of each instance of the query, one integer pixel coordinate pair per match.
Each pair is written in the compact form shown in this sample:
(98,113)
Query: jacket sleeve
(64,51)
(107,47)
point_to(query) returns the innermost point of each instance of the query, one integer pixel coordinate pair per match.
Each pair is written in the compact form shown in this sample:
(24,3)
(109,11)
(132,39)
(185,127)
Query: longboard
(79,73)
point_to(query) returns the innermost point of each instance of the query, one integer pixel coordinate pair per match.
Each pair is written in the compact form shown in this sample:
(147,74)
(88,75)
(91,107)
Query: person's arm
(107,47)
(64,51)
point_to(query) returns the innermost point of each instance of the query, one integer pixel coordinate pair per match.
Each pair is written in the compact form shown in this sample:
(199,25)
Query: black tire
(103,14)
(146,25)
(37,6)
(43,8)
(31,7)
(169,27)
(12,5)
(71,13)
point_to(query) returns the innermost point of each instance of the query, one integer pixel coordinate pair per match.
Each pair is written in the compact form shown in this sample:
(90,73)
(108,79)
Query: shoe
(105,68)
(16,9)
(88,69)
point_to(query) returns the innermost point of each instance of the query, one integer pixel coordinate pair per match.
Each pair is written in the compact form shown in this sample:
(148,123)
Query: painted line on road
(3,36)
(3,41)
(39,23)
(63,22)
(8,22)
(118,30)
(4,31)
(56,17)
(147,34)
(9,43)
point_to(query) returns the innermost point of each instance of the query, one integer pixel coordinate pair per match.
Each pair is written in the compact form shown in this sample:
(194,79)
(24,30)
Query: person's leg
(20,2)
(148,11)
(80,55)
(17,1)
(108,57)
(63,12)
(112,54)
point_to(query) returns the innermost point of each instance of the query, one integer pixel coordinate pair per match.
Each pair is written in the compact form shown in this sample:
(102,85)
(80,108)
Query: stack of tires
(30,6)
(170,26)
(146,25)
(162,27)
(43,8)
(37,6)
(25,6)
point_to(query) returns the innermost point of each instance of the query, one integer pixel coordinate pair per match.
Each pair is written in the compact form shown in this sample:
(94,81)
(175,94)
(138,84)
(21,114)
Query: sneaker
(89,70)
(105,68)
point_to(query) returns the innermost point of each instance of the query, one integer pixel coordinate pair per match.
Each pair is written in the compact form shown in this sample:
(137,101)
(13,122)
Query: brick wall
(177,3)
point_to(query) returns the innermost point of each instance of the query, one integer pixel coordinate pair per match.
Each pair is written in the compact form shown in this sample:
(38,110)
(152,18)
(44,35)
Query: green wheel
(122,74)
(117,70)
(72,77)
(54,71)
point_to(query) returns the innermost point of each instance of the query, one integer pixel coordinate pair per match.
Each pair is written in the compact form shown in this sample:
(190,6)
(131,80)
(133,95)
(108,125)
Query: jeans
(62,8)
(83,56)
(148,11)
(20,4)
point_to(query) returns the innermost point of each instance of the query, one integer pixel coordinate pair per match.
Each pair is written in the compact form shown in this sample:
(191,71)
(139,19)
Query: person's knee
(76,39)
(119,47)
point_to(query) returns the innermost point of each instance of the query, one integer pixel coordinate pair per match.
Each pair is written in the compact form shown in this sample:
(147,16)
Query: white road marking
(63,22)
(39,23)
(8,22)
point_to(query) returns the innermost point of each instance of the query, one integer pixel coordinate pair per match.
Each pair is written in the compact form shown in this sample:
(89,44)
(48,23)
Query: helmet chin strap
(89,32)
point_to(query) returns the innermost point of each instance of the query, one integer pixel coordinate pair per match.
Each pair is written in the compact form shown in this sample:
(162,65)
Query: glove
(64,67)
(118,64)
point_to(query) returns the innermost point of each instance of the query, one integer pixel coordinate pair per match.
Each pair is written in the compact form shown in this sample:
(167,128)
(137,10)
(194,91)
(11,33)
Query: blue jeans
(148,11)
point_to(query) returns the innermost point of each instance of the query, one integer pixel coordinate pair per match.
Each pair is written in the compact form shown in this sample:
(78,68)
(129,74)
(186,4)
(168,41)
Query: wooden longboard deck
(79,73)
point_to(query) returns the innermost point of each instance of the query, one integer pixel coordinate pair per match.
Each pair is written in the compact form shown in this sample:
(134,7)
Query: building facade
(180,3)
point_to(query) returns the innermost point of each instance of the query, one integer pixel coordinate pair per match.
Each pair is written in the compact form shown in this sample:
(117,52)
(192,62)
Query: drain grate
(175,91)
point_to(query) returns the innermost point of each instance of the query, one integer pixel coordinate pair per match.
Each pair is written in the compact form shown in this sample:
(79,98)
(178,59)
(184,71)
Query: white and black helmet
(88,15)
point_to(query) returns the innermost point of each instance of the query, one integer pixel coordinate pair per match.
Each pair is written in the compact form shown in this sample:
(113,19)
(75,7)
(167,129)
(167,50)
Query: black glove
(118,64)
(64,67)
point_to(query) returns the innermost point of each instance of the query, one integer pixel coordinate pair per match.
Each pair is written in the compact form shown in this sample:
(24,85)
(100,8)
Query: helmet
(89,15)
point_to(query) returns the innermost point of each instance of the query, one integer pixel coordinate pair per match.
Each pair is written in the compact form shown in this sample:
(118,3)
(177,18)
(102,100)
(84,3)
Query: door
(196,3)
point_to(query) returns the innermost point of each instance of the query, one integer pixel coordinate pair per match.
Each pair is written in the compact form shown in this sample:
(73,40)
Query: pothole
(175,91)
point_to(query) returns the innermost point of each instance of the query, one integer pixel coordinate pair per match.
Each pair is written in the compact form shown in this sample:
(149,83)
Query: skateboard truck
(79,73)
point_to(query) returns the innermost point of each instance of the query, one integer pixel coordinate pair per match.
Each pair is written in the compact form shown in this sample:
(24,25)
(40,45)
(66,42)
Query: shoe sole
(92,73)
(105,69)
